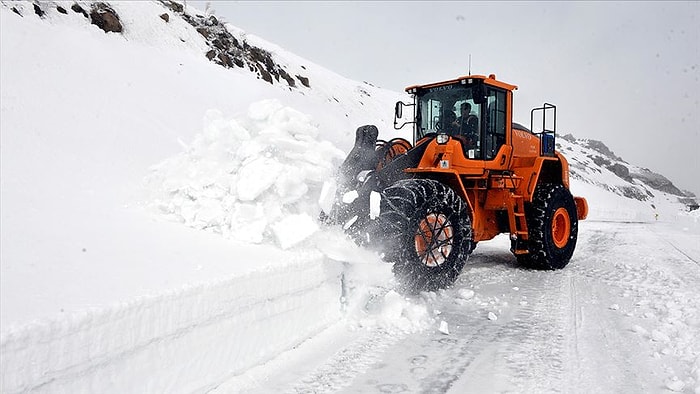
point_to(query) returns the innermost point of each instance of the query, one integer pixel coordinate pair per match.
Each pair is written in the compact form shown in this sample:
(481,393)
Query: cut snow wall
(199,336)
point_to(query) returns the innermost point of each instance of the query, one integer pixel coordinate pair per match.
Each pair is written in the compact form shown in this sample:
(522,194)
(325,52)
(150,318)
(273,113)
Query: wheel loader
(469,174)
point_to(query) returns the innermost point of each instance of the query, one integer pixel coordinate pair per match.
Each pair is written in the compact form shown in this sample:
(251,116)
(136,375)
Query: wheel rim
(433,240)
(561,227)
(396,148)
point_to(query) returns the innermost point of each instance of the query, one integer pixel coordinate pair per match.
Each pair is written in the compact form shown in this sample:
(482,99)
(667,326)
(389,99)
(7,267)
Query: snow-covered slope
(618,190)
(158,209)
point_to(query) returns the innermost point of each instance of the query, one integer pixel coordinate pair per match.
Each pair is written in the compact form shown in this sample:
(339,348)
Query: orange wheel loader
(469,174)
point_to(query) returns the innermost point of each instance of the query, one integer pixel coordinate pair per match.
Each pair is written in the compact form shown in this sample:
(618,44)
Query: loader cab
(473,110)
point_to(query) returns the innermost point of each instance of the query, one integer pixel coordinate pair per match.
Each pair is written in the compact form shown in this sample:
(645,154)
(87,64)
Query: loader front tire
(552,222)
(423,228)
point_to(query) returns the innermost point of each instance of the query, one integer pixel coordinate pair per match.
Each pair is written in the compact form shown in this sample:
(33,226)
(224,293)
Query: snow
(444,327)
(159,234)
(374,204)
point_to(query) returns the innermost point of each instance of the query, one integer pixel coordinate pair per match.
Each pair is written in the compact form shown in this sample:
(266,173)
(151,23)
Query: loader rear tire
(423,228)
(552,223)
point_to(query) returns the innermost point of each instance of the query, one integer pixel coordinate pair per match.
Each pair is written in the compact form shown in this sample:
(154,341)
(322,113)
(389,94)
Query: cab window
(496,122)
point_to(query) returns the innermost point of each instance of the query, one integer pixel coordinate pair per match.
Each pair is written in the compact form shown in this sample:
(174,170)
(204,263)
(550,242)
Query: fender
(542,169)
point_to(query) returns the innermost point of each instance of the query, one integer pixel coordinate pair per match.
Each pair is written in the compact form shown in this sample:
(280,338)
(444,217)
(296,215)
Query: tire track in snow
(346,364)
(651,289)
(557,331)
(535,338)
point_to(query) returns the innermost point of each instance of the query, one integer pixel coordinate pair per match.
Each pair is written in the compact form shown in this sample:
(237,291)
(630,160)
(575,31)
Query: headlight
(442,139)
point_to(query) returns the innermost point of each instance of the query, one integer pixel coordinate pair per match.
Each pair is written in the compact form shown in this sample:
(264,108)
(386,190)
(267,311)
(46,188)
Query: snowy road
(622,317)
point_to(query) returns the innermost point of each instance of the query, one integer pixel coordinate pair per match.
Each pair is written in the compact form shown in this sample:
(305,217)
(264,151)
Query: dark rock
(658,182)
(600,147)
(211,54)
(691,205)
(264,73)
(78,9)
(220,44)
(633,192)
(620,170)
(287,77)
(225,60)
(174,6)
(568,137)
(61,10)
(203,31)
(104,17)
(39,11)
(16,11)
(304,81)
(165,17)
(600,161)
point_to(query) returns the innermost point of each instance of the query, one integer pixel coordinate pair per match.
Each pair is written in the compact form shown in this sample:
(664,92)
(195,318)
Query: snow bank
(182,341)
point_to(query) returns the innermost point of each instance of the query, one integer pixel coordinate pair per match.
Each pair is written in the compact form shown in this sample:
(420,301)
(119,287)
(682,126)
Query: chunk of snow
(350,222)
(289,186)
(293,229)
(247,222)
(492,316)
(614,307)
(256,177)
(675,384)
(327,197)
(465,294)
(374,202)
(640,330)
(659,336)
(350,196)
(392,305)
(444,328)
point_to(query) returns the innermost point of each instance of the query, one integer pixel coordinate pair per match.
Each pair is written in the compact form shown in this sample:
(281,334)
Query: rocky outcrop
(600,147)
(229,51)
(225,49)
(640,183)
(659,182)
(620,170)
(104,17)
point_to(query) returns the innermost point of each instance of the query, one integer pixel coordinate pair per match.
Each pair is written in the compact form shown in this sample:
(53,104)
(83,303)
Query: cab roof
(490,80)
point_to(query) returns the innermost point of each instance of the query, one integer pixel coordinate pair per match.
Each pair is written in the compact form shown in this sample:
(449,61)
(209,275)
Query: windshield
(473,114)
(451,110)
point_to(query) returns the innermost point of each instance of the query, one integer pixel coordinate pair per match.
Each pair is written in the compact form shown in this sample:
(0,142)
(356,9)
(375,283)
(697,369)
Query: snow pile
(258,178)
(255,178)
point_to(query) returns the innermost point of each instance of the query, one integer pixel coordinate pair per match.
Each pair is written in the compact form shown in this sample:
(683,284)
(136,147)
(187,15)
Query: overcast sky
(626,73)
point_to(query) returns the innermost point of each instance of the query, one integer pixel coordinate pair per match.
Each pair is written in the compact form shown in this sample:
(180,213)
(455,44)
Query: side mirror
(398,113)
(398,110)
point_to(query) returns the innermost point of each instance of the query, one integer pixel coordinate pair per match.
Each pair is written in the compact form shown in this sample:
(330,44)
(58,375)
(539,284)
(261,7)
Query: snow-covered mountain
(593,163)
(161,174)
